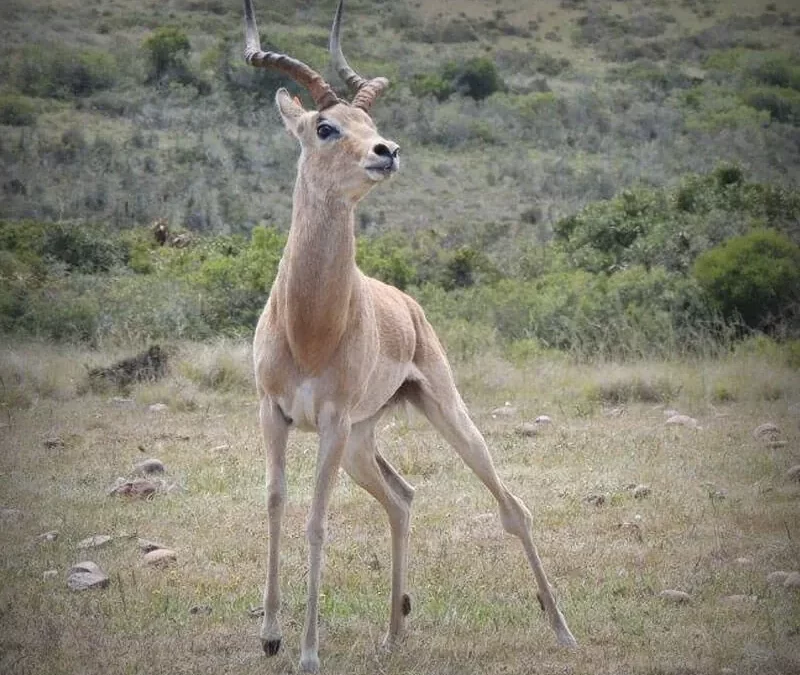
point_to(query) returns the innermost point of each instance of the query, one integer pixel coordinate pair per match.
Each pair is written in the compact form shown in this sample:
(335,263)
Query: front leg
(275,431)
(334,430)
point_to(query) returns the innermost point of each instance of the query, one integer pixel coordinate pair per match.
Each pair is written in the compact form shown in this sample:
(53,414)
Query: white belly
(302,407)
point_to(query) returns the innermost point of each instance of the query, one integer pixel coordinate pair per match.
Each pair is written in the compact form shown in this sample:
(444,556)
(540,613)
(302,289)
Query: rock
(677,597)
(543,419)
(49,574)
(641,491)
(54,443)
(221,448)
(738,599)
(681,421)
(145,545)
(150,466)
(200,609)
(48,536)
(158,407)
(527,430)
(85,576)
(595,499)
(507,410)
(777,578)
(95,541)
(766,432)
(161,557)
(139,488)
(792,581)
(793,474)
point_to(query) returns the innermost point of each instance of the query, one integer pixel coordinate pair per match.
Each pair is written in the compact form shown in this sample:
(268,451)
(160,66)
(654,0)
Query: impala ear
(291,111)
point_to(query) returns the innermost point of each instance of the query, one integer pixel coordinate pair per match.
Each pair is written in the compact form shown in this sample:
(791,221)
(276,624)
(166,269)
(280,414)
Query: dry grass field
(721,515)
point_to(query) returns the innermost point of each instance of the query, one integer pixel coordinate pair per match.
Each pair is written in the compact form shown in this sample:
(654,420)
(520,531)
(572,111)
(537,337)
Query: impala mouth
(381,171)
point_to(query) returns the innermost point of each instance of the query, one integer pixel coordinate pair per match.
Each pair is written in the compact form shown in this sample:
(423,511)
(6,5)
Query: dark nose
(382,150)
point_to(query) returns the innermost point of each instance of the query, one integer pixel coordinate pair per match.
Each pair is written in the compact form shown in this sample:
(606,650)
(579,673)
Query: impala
(334,348)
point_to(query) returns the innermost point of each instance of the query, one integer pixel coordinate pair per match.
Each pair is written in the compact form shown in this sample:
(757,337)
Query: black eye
(325,131)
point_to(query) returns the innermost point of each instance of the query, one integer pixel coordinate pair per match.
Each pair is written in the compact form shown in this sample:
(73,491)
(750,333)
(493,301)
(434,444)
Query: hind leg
(371,471)
(436,396)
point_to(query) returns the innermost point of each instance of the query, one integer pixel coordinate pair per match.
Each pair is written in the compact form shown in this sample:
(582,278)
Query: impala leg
(367,467)
(275,431)
(445,409)
(334,430)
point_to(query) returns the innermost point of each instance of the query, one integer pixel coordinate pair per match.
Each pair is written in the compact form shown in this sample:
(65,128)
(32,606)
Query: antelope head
(342,153)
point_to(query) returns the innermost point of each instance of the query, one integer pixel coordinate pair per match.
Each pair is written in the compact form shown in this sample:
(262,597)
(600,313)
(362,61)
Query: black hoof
(406,606)
(271,647)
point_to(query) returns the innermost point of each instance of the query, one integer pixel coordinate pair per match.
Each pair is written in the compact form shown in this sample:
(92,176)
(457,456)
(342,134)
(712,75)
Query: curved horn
(320,90)
(366,91)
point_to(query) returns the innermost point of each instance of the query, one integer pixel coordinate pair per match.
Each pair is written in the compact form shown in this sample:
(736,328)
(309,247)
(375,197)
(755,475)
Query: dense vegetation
(602,178)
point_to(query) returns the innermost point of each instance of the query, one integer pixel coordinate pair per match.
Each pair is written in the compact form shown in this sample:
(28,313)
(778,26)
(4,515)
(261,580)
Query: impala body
(334,348)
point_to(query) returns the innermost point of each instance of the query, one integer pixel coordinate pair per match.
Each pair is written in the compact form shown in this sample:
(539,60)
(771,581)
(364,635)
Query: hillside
(598,96)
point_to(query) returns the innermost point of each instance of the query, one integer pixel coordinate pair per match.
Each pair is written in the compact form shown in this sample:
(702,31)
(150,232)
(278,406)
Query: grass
(474,604)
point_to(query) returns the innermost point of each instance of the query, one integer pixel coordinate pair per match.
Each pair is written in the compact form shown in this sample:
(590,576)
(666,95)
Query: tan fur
(333,348)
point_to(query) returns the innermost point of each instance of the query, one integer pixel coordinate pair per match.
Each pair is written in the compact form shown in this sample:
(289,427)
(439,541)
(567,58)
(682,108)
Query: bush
(477,77)
(783,104)
(755,277)
(16,111)
(167,49)
(57,71)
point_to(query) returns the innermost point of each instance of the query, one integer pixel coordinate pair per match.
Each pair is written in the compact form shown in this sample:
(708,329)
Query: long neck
(320,274)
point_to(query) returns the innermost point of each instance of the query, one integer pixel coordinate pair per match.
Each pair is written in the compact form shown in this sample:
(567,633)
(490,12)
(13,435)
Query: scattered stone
(777,578)
(633,529)
(793,474)
(507,410)
(595,499)
(49,574)
(138,488)
(744,562)
(792,581)
(150,466)
(86,575)
(766,432)
(160,557)
(158,407)
(641,491)
(95,541)
(543,419)
(681,421)
(145,545)
(48,536)
(221,448)
(677,597)
(54,443)
(527,430)
(738,599)
(200,609)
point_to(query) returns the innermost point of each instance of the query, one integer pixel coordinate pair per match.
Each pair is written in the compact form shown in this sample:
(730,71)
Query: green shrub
(16,111)
(477,77)
(58,71)
(783,104)
(755,276)
(167,49)
(423,85)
